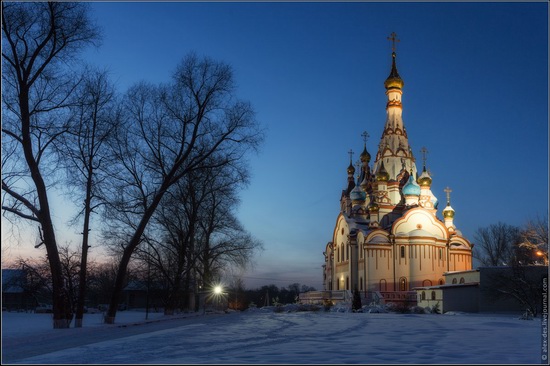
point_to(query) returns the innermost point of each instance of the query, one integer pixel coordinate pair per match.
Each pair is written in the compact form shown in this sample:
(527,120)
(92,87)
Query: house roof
(11,281)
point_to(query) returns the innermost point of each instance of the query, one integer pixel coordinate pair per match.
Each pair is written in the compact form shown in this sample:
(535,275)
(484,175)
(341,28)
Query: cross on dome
(393,38)
(365,135)
(448,191)
(424,152)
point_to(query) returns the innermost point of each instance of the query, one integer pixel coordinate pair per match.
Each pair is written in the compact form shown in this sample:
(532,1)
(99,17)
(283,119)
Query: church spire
(394,146)
(393,81)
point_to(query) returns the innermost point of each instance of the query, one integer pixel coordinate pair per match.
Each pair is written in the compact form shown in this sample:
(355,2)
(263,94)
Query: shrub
(402,307)
(417,310)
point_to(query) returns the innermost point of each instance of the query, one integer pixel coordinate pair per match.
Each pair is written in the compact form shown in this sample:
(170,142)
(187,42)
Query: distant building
(388,238)
(15,295)
(487,289)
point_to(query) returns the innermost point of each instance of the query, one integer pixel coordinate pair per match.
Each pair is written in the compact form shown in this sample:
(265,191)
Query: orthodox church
(388,237)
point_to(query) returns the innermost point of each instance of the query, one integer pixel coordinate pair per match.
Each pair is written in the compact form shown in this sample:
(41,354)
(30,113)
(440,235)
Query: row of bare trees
(503,244)
(161,165)
(517,257)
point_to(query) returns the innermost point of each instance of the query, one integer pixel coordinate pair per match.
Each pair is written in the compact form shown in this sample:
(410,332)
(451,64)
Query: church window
(347,252)
(402,252)
(347,283)
(441,281)
(423,295)
(433,295)
(461,280)
(440,253)
(361,283)
(426,283)
(402,284)
(383,285)
(454,281)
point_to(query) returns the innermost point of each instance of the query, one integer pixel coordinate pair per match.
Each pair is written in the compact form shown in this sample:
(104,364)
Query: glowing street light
(218,290)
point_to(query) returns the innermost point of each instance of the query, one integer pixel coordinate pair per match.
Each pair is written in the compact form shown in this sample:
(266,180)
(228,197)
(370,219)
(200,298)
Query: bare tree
(83,154)
(535,240)
(38,39)
(497,244)
(170,131)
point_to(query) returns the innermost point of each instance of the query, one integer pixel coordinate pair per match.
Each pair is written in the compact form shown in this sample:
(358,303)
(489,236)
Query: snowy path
(305,337)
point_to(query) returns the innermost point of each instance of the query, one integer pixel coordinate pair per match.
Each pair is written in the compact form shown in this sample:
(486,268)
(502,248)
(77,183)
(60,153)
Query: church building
(388,238)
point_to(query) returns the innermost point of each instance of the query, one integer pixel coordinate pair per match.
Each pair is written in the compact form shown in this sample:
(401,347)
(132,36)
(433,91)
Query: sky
(266,337)
(475,95)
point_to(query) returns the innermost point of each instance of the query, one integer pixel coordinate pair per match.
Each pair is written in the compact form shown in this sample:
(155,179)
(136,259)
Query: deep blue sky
(475,94)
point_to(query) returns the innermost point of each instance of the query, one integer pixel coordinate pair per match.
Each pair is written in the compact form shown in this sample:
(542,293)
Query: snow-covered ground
(267,337)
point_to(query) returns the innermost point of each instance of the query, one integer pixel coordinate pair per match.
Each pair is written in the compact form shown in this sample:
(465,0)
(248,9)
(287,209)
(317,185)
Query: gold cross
(448,191)
(365,135)
(350,152)
(424,152)
(393,38)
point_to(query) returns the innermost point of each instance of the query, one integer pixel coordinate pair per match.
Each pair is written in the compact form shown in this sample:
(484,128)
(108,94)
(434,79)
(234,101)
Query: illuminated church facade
(388,237)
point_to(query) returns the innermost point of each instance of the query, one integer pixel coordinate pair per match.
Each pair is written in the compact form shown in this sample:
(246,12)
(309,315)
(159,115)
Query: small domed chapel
(388,238)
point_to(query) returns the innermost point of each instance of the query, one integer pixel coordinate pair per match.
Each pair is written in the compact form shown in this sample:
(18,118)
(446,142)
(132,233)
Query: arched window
(454,281)
(347,252)
(433,295)
(347,283)
(402,252)
(441,281)
(402,284)
(440,253)
(423,295)
(461,280)
(426,283)
(361,283)
(383,285)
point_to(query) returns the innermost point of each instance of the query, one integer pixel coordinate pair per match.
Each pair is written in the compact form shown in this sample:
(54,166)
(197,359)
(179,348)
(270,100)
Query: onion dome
(357,194)
(411,188)
(382,175)
(393,81)
(373,206)
(365,156)
(448,212)
(424,180)
(434,201)
(351,169)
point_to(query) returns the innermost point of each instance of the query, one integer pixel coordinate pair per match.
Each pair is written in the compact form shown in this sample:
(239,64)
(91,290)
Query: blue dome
(435,201)
(357,194)
(411,188)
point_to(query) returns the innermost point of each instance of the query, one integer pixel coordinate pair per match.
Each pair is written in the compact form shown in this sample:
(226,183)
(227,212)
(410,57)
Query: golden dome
(448,212)
(373,207)
(394,80)
(424,180)
(351,169)
(382,175)
(365,156)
